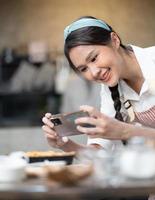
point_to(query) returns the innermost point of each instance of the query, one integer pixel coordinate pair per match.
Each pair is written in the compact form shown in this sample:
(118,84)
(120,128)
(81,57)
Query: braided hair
(94,36)
(117,103)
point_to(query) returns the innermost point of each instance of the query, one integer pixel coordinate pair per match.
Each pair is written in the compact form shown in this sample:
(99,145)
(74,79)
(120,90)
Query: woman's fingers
(95,132)
(85,120)
(52,137)
(48,115)
(91,110)
(90,131)
(90,120)
(47,135)
(48,130)
(48,122)
(88,109)
(53,140)
(100,123)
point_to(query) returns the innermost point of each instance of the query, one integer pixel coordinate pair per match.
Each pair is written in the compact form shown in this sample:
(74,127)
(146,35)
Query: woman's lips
(106,76)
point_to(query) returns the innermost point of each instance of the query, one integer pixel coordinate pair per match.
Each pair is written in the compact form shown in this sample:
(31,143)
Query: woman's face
(98,63)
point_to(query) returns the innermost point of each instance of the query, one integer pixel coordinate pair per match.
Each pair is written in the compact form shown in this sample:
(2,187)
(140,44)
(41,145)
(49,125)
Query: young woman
(127,74)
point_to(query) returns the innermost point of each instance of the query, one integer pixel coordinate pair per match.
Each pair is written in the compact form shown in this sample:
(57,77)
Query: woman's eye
(94,59)
(83,69)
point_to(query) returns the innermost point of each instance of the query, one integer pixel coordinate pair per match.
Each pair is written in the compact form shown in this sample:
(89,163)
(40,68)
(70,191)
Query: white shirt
(141,102)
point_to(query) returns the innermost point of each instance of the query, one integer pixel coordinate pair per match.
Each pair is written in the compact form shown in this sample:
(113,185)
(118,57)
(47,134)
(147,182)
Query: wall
(22,21)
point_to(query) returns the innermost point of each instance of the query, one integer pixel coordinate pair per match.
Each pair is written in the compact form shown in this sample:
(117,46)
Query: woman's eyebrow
(80,67)
(89,55)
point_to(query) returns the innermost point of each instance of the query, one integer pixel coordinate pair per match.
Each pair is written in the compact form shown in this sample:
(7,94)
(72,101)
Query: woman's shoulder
(150,50)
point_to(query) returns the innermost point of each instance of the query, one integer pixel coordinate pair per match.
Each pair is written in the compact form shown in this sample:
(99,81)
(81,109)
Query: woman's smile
(106,75)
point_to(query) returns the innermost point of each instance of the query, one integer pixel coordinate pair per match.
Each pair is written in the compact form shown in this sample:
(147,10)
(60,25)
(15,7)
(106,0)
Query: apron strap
(129,108)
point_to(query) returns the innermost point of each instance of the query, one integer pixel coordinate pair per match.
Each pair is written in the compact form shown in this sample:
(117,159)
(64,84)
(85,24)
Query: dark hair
(93,36)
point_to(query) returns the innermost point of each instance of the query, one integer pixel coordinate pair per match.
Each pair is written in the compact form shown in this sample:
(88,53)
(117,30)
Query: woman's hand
(105,127)
(52,137)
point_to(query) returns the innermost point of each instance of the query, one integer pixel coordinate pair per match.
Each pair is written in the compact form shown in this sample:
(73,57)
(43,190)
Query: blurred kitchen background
(34,75)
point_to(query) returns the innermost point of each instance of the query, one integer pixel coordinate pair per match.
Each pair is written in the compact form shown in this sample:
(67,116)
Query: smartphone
(64,124)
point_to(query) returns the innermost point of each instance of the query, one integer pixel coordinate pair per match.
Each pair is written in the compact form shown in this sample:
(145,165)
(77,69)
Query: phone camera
(56,121)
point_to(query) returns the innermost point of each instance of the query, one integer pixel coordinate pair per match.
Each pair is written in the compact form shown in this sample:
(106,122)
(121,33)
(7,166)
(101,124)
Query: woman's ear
(115,41)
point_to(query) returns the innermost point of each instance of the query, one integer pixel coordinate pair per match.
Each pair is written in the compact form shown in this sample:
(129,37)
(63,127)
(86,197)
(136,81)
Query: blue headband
(84,23)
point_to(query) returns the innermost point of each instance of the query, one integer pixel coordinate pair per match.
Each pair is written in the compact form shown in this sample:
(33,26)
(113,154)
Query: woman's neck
(133,75)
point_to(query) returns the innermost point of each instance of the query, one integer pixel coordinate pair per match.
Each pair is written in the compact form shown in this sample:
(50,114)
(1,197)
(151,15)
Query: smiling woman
(95,51)
(96,54)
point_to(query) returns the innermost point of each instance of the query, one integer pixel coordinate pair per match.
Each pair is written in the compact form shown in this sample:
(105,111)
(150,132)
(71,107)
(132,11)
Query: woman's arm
(130,130)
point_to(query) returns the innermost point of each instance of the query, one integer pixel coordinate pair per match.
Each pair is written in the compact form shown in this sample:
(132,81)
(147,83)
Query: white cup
(12,168)
(135,164)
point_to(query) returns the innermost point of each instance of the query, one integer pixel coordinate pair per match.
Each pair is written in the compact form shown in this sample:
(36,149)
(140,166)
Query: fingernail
(65,139)
(78,127)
